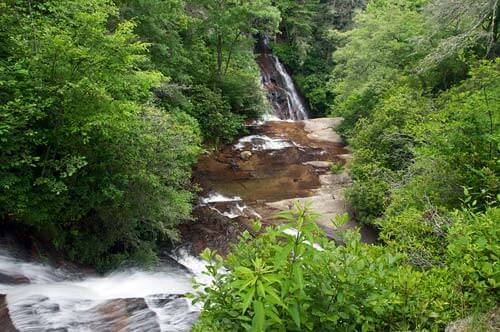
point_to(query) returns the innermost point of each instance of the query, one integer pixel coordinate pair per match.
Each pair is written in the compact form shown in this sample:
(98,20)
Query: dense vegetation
(418,84)
(309,33)
(278,281)
(105,105)
(102,109)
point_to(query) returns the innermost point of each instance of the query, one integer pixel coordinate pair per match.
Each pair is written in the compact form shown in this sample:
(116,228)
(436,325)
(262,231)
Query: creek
(286,158)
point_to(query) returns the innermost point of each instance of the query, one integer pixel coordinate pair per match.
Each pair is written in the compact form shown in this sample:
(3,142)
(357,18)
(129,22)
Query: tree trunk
(492,46)
(219,58)
(231,51)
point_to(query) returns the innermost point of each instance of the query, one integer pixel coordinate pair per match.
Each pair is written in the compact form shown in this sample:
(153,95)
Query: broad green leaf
(259,317)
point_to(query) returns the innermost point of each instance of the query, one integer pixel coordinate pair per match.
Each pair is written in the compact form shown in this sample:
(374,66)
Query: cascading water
(39,297)
(281,90)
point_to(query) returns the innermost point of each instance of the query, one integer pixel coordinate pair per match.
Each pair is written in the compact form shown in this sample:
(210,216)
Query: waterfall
(295,105)
(282,93)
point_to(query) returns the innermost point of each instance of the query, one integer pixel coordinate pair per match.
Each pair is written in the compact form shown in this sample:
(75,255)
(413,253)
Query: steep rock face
(287,102)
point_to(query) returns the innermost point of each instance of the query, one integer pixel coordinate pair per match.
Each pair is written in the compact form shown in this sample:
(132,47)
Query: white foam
(59,299)
(215,197)
(263,142)
(295,106)
(195,265)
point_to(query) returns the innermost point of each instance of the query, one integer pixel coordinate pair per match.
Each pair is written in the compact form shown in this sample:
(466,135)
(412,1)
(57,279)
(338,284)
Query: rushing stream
(259,174)
(41,297)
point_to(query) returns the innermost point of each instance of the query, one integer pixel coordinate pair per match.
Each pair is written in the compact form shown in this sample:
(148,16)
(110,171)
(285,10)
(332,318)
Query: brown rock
(6,324)
(13,279)
(132,314)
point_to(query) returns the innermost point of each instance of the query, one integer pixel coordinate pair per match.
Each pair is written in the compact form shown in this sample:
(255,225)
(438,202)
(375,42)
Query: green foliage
(473,255)
(414,145)
(369,194)
(309,34)
(214,115)
(465,133)
(84,159)
(336,167)
(206,48)
(378,52)
(280,281)
(423,122)
(392,131)
(421,234)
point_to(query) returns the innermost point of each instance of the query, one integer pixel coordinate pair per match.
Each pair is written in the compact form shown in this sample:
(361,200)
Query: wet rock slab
(131,314)
(122,314)
(281,172)
(13,279)
(288,162)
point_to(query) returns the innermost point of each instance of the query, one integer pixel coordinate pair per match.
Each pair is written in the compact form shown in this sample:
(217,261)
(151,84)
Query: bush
(280,281)
(473,254)
(243,92)
(419,234)
(336,167)
(217,123)
(369,193)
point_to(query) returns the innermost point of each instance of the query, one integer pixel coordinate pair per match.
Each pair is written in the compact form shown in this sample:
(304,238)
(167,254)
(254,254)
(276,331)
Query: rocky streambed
(42,296)
(278,164)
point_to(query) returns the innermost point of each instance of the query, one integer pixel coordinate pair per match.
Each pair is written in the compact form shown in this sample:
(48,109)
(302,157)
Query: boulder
(15,279)
(489,321)
(245,155)
(319,164)
(131,314)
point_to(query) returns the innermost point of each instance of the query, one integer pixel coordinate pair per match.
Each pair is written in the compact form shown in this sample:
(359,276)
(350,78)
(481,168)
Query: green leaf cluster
(206,49)
(292,278)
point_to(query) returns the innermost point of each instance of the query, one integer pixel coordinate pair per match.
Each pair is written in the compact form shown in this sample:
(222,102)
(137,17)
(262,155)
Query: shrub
(336,167)
(473,255)
(291,278)
(85,160)
(217,123)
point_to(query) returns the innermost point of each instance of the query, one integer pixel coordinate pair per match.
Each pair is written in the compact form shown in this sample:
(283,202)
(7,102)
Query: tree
(230,23)
(378,54)
(469,23)
(86,161)
(206,48)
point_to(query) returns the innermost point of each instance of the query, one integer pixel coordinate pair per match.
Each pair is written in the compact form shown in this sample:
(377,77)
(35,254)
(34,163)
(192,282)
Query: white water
(278,83)
(230,207)
(294,232)
(61,300)
(262,143)
(295,105)
(215,197)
